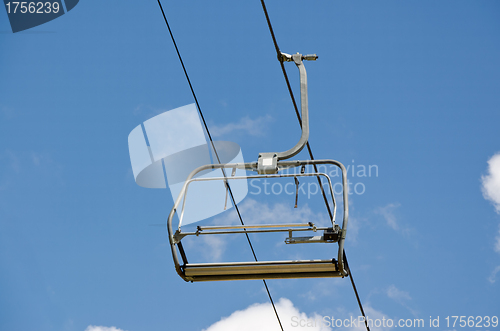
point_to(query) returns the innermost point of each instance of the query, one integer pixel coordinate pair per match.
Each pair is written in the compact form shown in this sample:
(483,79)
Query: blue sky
(408,86)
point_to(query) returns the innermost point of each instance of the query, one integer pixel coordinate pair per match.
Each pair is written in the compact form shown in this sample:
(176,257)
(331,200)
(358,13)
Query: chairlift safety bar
(315,174)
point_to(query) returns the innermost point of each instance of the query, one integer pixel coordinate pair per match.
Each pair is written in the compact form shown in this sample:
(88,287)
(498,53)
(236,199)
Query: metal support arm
(268,161)
(297,58)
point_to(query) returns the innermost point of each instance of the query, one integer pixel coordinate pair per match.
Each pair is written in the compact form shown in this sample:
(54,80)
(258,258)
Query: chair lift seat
(261,270)
(268,165)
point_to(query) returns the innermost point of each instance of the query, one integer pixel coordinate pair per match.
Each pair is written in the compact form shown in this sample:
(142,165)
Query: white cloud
(353,229)
(491,192)
(254,212)
(253,127)
(497,243)
(262,213)
(493,277)
(491,182)
(261,317)
(399,296)
(211,247)
(388,213)
(102,328)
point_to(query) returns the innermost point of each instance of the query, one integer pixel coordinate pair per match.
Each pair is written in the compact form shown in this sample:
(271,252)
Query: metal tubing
(183,234)
(294,275)
(304,112)
(202,228)
(188,182)
(253,167)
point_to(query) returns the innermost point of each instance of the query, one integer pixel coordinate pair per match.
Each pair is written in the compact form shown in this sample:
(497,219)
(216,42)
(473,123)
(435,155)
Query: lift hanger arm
(268,161)
(297,58)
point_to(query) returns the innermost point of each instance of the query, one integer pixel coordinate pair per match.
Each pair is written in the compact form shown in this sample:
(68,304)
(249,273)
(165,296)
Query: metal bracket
(330,235)
(304,240)
(177,237)
(284,57)
(267,164)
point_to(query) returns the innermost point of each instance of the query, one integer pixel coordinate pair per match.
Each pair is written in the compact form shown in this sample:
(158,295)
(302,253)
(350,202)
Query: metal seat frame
(266,269)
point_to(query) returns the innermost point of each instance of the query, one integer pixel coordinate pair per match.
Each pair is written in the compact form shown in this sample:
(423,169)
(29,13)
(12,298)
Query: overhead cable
(217,156)
(278,52)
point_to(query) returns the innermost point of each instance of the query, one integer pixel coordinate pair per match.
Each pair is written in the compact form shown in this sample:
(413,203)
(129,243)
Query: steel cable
(216,154)
(278,52)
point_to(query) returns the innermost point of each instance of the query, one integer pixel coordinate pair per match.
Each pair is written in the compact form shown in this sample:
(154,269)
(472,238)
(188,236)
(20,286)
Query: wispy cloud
(497,242)
(210,247)
(102,328)
(253,127)
(324,288)
(20,160)
(18,164)
(397,295)
(491,182)
(261,317)
(493,276)
(264,213)
(491,192)
(401,297)
(353,228)
(388,213)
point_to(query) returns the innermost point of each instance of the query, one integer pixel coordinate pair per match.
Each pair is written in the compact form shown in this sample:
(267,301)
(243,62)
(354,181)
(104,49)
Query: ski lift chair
(268,165)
